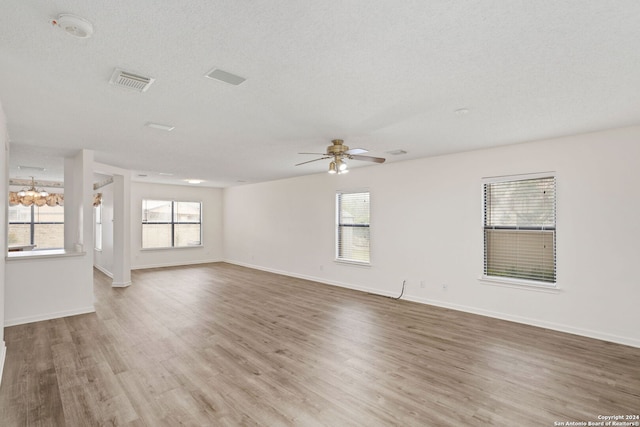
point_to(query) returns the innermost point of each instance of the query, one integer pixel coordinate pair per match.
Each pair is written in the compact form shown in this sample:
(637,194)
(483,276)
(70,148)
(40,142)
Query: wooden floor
(218,344)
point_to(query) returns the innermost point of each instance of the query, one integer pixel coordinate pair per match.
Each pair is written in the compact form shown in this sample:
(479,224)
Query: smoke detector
(130,80)
(74,25)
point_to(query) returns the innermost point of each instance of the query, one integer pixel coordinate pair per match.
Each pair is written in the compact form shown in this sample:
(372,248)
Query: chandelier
(33,196)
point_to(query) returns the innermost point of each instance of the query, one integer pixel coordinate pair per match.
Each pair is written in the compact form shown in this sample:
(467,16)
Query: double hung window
(171,224)
(39,226)
(520,228)
(352,227)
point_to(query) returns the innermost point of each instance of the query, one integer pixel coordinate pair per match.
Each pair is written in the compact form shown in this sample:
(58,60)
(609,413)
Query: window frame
(173,224)
(98,216)
(517,282)
(338,226)
(32,226)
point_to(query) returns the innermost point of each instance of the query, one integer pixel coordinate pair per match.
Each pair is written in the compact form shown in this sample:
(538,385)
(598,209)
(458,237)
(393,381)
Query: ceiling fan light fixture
(338,152)
(332,167)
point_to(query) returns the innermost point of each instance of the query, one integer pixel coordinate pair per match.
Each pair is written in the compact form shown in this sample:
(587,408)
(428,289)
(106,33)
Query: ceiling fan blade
(317,154)
(314,160)
(367,158)
(356,151)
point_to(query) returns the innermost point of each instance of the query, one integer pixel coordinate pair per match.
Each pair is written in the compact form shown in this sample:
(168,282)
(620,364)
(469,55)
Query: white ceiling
(382,75)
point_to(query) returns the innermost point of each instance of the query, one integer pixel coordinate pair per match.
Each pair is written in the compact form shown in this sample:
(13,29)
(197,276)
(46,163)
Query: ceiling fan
(339,152)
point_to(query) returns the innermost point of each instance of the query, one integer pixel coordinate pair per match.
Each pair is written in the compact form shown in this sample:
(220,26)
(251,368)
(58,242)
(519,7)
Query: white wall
(4,188)
(211,251)
(103,260)
(426,225)
(40,288)
(47,288)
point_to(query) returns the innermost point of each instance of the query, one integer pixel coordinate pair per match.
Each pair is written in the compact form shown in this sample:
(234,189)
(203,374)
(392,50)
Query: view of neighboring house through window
(352,228)
(38,226)
(520,228)
(171,224)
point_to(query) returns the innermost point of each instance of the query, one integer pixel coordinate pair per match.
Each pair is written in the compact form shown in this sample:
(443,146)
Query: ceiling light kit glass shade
(338,166)
(332,167)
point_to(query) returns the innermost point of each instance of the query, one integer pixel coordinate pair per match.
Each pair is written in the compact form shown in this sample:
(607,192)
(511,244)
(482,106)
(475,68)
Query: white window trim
(350,261)
(355,263)
(511,282)
(170,248)
(508,282)
(164,248)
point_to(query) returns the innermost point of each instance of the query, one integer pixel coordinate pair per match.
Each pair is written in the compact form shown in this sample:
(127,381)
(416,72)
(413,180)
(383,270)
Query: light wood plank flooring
(218,345)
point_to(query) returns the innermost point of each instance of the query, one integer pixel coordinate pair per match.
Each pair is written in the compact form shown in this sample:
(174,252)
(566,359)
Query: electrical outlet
(444,286)
(422,284)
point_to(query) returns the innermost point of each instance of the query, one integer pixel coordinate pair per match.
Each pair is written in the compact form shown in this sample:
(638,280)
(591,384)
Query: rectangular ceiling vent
(224,76)
(130,81)
(396,152)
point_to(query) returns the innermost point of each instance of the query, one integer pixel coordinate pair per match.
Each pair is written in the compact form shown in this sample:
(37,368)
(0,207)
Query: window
(171,224)
(41,226)
(98,229)
(352,230)
(520,229)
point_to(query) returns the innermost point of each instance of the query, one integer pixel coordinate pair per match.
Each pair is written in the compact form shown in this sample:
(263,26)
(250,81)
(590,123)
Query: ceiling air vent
(224,76)
(130,81)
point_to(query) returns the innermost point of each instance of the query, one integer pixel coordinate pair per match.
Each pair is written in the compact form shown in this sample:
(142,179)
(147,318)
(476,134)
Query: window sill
(168,248)
(352,262)
(42,254)
(529,285)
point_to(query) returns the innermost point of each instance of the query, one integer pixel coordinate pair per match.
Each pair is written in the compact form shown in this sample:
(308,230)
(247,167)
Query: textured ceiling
(382,75)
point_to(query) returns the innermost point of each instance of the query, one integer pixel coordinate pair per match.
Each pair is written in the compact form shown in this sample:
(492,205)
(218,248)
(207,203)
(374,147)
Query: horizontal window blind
(353,227)
(520,229)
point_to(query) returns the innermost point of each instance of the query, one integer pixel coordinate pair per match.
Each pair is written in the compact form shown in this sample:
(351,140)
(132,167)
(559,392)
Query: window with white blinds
(520,229)
(352,228)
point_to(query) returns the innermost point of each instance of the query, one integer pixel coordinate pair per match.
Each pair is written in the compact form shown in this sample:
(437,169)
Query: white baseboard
(110,275)
(174,264)
(311,278)
(529,321)
(48,316)
(104,271)
(120,284)
(633,342)
(3,355)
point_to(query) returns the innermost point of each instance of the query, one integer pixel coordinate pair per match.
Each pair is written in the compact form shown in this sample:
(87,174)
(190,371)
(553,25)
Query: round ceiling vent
(75,26)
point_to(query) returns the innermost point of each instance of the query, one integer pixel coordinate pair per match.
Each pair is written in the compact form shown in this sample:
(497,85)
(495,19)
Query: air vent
(130,81)
(224,76)
(31,168)
(159,126)
(396,152)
